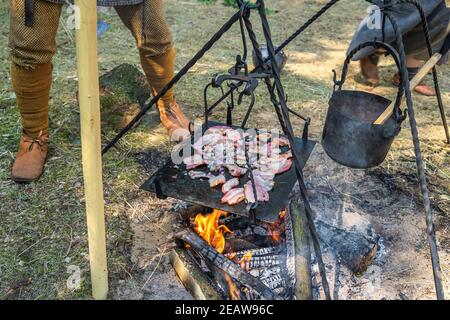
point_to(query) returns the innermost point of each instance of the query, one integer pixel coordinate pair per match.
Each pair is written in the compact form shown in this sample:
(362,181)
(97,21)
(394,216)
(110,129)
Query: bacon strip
(282,166)
(234,196)
(215,181)
(261,194)
(230,184)
(198,174)
(193,162)
(236,171)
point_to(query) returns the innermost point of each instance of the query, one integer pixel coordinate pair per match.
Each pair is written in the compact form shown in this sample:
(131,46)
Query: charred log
(262,252)
(266,274)
(236,223)
(192,277)
(260,240)
(225,264)
(191,211)
(263,262)
(226,284)
(354,249)
(232,245)
(275,282)
(260,258)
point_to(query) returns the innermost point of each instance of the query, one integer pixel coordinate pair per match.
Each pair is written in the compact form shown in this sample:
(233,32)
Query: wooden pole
(303,284)
(89,100)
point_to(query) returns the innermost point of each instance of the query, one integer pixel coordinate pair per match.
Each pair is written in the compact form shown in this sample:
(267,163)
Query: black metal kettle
(349,135)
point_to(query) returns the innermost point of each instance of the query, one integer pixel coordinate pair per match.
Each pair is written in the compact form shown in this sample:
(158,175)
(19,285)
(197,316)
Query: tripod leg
(430,51)
(441,104)
(419,162)
(283,116)
(303,191)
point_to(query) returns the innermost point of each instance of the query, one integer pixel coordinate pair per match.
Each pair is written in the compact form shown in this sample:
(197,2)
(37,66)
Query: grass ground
(42,229)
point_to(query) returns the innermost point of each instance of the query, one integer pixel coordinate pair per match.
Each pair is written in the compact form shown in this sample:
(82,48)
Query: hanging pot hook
(241,61)
(337,83)
(249,109)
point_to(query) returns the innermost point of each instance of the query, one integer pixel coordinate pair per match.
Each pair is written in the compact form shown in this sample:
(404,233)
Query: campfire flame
(245,261)
(207,227)
(233,291)
(274,229)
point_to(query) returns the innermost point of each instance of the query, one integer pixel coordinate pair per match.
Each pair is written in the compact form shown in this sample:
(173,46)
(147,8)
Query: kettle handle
(378,45)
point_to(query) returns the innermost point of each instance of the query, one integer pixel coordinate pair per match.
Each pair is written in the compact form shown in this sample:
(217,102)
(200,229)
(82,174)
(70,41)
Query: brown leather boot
(159,71)
(369,70)
(30,159)
(174,120)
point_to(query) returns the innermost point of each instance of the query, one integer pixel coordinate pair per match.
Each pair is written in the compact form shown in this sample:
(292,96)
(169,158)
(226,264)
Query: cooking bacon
(236,171)
(281,142)
(261,193)
(263,183)
(198,175)
(215,181)
(193,162)
(282,166)
(264,175)
(234,196)
(218,130)
(223,149)
(230,184)
(208,139)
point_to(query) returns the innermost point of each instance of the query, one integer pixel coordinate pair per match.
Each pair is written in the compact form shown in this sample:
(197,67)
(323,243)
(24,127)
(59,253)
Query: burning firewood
(192,277)
(207,226)
(260,252)
(225,264)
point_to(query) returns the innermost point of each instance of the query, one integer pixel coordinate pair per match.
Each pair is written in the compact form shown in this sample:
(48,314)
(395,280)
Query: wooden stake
(303,285)
(89,100)
(430,64)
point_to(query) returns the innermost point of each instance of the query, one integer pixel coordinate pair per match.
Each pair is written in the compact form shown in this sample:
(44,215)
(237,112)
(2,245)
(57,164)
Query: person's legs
(32,49)
(154,40)
(369,68)
(414,66)
(415,44)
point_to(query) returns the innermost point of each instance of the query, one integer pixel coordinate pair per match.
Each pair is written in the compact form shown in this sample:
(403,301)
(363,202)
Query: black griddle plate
(173,181)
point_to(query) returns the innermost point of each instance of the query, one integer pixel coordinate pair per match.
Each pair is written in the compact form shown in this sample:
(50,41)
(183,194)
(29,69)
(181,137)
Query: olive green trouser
(32,49)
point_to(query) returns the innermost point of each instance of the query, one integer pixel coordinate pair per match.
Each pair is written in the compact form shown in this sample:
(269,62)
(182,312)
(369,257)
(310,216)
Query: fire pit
(237,253)
(234,258)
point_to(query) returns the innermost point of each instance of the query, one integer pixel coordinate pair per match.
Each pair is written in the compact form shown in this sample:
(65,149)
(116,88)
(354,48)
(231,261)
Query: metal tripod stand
(278,97)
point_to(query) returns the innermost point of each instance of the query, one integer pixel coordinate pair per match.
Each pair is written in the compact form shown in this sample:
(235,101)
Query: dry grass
(43,224)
